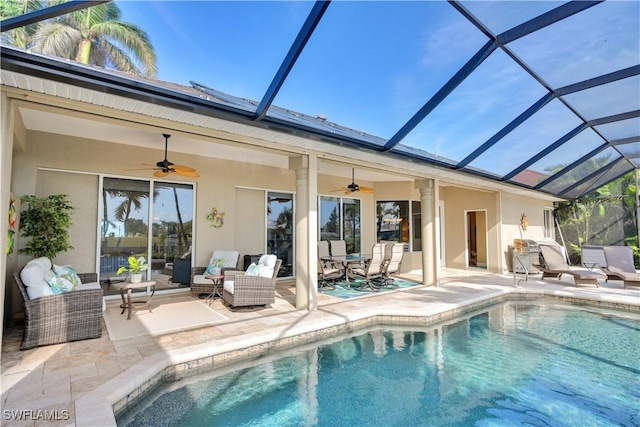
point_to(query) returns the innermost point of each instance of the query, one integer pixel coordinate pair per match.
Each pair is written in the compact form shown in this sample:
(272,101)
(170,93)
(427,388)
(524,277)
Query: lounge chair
(620,265)
(556,265)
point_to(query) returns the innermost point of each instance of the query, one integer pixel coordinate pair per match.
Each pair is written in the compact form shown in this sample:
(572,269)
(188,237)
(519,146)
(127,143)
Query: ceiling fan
(165,167)
(353,187)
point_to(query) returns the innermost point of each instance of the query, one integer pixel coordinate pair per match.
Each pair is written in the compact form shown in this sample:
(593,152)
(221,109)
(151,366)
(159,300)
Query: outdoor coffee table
(217,286)
(127,304)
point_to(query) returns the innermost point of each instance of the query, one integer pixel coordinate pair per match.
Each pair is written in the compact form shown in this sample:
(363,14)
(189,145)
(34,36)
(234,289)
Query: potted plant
(46,221)
(135,269)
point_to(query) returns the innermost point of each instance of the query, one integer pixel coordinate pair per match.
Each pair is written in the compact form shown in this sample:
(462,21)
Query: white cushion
(199,279)
(267,265)
(230,257)
(228,285)
(33,276)
(42,261)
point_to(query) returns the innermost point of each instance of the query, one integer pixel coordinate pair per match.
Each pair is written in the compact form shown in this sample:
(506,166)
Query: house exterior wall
(457,202)
(216,186)
(513,206)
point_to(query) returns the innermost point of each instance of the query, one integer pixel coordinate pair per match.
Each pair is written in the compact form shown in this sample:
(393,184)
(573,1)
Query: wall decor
(13,217)
(216,218)
(524,222)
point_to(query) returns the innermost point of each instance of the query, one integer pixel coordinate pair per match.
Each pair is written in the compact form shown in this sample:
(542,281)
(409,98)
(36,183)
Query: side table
(127,304)
(217,285)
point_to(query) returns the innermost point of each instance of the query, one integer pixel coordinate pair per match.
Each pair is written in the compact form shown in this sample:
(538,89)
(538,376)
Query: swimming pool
(514,364)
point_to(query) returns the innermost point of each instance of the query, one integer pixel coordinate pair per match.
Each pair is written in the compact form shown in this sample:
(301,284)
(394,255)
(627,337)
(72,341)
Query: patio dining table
(348,261)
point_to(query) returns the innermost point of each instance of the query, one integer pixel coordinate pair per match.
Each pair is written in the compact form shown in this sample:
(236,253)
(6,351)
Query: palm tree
(96,36)
(8,9)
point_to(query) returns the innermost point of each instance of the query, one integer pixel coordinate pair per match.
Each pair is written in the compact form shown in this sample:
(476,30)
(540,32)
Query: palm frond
(57,40)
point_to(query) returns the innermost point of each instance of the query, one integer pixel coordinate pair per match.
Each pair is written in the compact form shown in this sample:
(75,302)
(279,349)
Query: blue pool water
(533,364)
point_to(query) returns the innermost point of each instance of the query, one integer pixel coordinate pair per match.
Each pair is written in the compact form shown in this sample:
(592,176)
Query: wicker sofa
(241,289)
(59,318)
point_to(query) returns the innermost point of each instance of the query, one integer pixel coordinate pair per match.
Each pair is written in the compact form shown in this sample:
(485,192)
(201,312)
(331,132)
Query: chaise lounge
(620,265)
(555,265)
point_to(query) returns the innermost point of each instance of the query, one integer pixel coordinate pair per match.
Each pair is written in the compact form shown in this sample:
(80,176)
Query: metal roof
(542,95)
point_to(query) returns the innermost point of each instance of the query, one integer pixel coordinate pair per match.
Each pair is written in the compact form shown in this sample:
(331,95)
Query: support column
(6,152)
(430,273)
(306,229)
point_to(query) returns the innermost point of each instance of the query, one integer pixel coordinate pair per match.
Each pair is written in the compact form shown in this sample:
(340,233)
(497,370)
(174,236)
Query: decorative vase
(136,277)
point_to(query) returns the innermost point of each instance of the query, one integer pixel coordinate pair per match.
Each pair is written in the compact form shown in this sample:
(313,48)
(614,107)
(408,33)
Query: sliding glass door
(125,223)
(131,224)
(172,229)
(340,219)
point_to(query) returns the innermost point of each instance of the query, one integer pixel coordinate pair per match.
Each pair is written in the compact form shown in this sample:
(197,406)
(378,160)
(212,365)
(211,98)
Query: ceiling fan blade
(339,189)
(367,190)
(190,174)
(182,168)
(160,174)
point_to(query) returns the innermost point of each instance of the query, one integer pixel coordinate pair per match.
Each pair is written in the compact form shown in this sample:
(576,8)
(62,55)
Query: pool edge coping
(100,406)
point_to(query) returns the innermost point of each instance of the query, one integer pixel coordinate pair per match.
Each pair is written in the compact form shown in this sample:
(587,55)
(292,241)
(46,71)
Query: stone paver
(79,383)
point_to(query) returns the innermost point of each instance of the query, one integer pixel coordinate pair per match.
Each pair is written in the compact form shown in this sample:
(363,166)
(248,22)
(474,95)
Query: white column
(306,231)
(6,152)
(430,274)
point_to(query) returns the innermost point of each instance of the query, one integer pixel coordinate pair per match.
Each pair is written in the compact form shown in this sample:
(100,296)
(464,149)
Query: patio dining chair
(393,254)
(328,271)
(620,265)
(373,268)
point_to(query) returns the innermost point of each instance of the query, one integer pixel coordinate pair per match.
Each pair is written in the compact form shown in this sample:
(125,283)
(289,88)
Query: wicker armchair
(55,319)
(250,290)
(200,285)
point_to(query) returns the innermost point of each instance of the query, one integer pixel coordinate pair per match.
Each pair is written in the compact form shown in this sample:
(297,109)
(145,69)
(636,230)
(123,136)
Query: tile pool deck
(88,379)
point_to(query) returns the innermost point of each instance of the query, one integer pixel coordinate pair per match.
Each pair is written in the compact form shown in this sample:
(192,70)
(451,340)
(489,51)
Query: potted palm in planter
(135,269)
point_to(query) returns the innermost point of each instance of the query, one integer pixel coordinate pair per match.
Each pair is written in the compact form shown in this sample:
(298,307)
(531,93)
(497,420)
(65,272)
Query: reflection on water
(512,364)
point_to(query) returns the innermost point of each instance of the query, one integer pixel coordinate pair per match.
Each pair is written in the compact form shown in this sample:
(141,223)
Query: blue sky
(372,65)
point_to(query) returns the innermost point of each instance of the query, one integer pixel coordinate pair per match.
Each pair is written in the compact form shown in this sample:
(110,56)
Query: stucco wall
(219,184)
(513,207)
(457,202)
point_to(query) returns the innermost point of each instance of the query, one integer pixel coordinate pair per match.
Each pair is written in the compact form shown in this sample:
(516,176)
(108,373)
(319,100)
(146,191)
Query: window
(280,230)
(548,223)
(416,225)
(393,221)
(340,219)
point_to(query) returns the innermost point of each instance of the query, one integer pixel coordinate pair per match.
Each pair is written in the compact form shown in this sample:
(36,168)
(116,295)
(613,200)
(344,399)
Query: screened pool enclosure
(541,95)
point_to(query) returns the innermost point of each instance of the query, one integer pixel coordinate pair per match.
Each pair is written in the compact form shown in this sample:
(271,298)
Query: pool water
(533,364)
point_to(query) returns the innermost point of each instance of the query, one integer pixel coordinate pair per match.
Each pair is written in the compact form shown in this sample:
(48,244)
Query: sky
(372,65)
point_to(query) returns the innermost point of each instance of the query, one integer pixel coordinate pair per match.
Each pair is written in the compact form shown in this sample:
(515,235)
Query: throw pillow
(67,272)
(60,285)
(214,266)
(253,270)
